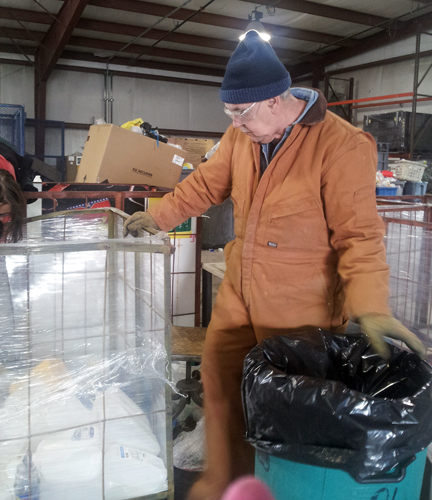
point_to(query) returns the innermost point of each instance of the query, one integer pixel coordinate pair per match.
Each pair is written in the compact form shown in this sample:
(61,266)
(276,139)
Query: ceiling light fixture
(256,25)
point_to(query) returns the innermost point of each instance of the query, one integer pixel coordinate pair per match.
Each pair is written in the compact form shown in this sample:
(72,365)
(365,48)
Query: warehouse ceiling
(198,36)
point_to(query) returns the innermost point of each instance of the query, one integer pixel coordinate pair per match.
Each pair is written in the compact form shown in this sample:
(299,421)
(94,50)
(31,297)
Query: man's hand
(378,326)
(139,220)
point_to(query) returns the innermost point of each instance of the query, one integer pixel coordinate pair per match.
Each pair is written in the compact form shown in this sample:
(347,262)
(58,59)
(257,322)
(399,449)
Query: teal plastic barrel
(295,481)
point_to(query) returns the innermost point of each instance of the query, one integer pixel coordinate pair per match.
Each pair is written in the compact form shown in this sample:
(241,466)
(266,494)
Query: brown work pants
(229,338)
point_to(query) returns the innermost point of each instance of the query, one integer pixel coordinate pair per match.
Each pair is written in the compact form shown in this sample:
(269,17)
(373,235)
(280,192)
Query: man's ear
(274,103)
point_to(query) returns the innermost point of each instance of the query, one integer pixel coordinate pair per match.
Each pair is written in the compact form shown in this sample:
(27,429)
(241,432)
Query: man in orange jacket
(309,246)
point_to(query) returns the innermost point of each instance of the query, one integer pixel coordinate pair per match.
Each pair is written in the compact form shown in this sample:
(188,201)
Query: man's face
(253,119)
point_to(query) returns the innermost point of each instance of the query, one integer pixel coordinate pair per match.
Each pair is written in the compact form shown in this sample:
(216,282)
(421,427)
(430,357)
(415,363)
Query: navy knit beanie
(253,73)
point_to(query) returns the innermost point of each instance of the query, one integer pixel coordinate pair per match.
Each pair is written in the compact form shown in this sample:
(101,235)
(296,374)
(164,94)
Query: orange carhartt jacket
(309,246)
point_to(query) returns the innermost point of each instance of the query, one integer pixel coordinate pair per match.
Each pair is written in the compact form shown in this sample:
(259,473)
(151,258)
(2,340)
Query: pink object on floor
(248,488)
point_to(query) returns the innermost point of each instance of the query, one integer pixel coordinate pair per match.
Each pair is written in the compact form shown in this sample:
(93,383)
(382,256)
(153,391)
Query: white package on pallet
(84,363)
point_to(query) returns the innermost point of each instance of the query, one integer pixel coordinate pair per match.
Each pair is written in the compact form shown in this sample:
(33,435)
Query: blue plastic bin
(386,191)
(295,481)
(417,188)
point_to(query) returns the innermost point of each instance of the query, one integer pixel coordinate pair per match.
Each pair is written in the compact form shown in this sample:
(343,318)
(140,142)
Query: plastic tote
(417,188)
(328,401)
(386,191)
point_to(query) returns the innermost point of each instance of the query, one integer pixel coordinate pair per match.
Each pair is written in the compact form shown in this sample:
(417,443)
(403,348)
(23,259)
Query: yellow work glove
(378,326)
(137,221)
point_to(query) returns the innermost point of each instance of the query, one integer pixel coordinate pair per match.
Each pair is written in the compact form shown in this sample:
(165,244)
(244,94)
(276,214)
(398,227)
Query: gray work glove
(378,326)
(138,220)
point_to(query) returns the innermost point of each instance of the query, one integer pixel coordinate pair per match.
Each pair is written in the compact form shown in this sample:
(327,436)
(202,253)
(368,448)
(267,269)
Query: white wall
(16,86)
(74,97)
(168,104)
(77,97)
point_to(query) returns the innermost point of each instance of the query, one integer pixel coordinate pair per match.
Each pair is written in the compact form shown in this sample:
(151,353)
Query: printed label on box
(178,160)
(132,454)
(142,172)
(82,433)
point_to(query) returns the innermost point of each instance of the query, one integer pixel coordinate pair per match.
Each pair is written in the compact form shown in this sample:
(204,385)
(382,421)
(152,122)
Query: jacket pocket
(365,207)
(296,226)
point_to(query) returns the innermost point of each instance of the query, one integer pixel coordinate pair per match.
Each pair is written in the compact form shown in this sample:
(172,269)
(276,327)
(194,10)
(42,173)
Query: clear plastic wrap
(189,449)
(70,225)
(84,362)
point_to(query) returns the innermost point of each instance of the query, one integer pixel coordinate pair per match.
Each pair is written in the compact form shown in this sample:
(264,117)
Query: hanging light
(256,25)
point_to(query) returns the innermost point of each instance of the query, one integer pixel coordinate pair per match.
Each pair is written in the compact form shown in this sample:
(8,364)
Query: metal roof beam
(9,48)
(155,34)
(322,10)
(115,47)
(379,40)
(182,38)
(30,16)
(148,50)
(125,61)
(57,37)
(381,62)
(368,43)
(211,19)
(20,34)
(158,10)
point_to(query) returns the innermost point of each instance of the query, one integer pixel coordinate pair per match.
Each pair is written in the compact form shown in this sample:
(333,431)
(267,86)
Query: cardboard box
(117,155)
(195,148)
(72,164)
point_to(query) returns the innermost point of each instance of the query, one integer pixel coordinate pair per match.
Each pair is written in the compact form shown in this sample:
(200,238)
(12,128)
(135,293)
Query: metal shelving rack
(414,138)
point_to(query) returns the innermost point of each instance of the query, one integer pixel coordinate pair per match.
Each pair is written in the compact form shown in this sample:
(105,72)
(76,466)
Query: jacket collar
(316,113)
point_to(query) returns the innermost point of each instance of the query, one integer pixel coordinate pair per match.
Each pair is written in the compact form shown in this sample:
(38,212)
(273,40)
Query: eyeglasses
(243,116)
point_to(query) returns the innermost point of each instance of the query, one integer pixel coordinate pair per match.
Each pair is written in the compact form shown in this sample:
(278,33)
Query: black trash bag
(328,400)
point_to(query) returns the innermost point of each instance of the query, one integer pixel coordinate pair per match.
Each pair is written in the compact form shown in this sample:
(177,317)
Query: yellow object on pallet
(133,123)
